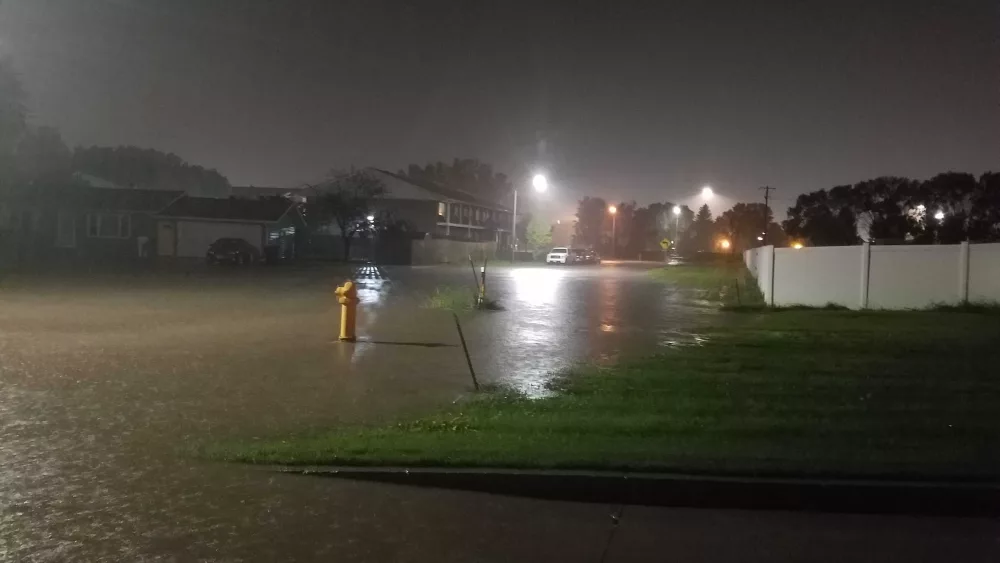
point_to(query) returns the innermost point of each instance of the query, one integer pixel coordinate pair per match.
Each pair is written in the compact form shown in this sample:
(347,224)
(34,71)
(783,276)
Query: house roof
(93,198)
(266,210)
(447,193)
(264,191)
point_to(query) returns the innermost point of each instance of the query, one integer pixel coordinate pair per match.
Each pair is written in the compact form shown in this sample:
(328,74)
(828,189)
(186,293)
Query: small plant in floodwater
(450,298)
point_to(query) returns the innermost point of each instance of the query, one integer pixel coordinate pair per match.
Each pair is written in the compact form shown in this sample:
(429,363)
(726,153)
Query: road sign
(665,244)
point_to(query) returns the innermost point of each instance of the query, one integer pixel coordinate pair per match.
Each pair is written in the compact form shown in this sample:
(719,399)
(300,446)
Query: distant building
(78,224)
(443,212)
(187,226)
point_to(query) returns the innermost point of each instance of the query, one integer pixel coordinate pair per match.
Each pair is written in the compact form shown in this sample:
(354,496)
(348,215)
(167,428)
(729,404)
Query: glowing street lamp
(541,184)
(939,215)
(797,245)
(677,223)
(724,244)
(707,193)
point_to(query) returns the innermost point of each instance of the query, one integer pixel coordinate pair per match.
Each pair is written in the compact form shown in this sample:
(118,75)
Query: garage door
(194,237)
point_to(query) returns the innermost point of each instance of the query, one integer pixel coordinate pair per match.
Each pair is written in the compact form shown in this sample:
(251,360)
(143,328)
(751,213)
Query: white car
(558,255)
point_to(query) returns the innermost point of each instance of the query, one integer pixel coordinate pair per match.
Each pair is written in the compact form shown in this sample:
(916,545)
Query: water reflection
(537,286)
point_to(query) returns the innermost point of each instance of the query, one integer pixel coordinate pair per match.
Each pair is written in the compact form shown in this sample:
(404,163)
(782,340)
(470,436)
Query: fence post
(770,277)
(963,272)
(866,262)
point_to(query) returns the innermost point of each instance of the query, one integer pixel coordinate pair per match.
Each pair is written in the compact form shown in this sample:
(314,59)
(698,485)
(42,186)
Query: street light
(614,236)
(939,215)
(540,183)
(724,243)
(677,224)
(707,193)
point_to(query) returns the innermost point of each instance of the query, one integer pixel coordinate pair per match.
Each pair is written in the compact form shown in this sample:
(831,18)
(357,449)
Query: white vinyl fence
(877,277)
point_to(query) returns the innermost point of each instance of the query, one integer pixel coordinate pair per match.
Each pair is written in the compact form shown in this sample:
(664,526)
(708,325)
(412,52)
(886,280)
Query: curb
(679,490)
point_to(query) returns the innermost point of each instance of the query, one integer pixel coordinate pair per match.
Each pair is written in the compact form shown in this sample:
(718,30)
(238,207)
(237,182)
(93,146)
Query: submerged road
(106,383)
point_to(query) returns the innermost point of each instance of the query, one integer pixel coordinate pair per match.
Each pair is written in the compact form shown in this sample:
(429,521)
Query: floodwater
(105,383)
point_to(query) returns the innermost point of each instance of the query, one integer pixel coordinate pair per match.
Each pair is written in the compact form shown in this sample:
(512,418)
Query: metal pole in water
(465,348)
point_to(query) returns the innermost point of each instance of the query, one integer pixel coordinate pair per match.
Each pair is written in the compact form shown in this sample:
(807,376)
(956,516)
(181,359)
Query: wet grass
(729,283)
(451,299)
(804,392)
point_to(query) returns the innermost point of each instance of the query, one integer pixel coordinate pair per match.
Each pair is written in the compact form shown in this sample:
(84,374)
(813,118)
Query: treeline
(38,155)
(642,229)
(947,209)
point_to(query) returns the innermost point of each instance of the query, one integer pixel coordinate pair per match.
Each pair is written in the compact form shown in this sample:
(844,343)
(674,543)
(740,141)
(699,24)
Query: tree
(148,168)
(823,218)
(703,230)
(346,199)
(466,174)
(881,207)
(539,235)
(591,213)
(13,118)
(42,156)
(743,223)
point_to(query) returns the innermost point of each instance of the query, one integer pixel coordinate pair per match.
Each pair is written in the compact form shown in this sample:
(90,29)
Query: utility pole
(767,209)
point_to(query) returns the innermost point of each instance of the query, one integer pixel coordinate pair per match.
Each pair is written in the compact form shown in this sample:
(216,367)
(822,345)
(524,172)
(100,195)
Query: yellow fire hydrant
(347,296)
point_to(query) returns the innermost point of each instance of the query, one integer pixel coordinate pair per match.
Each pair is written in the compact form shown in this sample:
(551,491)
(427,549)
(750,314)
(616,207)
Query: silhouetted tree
(148,168)
(743,223)
(345,198)
(822,219)
(467,174)
(591,213)
(42,156)
(13,118)
(703,230)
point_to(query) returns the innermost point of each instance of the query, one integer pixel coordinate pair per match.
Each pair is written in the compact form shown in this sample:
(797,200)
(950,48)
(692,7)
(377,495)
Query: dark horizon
(643,102)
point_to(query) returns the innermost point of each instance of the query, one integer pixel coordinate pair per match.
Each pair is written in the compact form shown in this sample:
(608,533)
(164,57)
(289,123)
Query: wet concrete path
(104,382)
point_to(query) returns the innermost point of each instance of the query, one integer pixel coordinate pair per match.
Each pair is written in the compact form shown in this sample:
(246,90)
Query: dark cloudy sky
(626,100)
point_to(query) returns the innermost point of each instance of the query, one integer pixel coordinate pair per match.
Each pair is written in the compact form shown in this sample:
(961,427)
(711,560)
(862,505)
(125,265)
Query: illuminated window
(442,210)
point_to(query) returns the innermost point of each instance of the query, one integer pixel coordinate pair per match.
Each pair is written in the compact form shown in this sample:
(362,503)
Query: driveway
(106,382)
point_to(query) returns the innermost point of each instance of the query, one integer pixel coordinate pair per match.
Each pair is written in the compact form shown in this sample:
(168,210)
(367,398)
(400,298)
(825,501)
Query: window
(108,225)
(442,210)
(66,230)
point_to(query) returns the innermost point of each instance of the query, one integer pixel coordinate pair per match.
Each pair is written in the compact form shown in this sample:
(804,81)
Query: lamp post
(677,224)
(540,183)
(614,233)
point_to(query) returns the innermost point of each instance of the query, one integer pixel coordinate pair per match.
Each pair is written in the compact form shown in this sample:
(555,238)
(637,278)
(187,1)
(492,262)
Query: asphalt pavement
(107,383)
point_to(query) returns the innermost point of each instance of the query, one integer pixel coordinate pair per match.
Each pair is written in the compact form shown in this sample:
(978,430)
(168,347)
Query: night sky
(645,101)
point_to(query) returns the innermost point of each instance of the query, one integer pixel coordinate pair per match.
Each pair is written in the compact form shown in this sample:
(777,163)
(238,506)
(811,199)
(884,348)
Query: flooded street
(105,384)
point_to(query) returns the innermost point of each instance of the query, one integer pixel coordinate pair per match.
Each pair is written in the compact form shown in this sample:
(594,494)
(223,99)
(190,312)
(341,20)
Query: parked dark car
(590,256)
(232,251)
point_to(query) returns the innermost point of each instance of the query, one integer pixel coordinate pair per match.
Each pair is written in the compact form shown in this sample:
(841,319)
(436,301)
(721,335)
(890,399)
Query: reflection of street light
(939,215)
(614,237)
(707,193)
(540,183)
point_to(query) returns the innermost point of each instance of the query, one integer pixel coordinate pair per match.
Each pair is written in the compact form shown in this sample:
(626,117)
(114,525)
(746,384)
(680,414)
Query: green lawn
(913,394)
(728,283)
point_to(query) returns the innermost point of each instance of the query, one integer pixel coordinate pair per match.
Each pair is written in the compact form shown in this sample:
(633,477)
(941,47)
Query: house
(441,211)
(79,224)
(189,225)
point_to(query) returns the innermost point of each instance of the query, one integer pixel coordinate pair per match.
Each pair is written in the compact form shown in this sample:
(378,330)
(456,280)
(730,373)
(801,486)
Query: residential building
(443,212)
(189,225)
(78,224)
